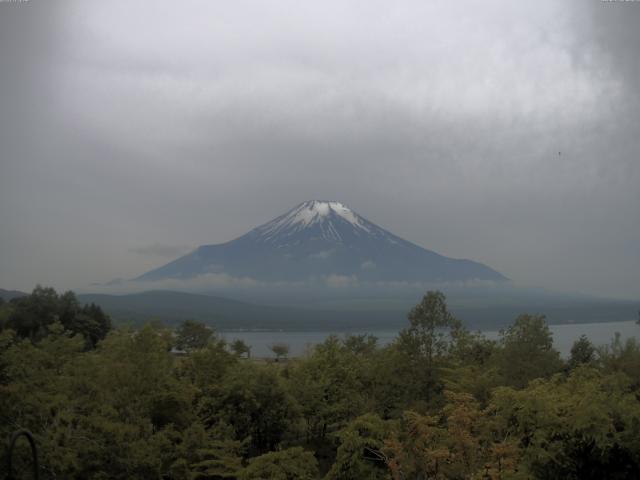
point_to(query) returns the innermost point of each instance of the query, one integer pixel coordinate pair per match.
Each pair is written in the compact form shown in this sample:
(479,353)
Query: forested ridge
(440,402)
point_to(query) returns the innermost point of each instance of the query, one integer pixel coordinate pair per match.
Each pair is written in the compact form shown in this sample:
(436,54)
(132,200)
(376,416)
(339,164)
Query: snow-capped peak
(323,214)
(318,240)
(315,210)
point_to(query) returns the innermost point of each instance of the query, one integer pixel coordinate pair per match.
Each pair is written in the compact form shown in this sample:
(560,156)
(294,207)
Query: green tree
(279,349)
(417,447)
(425,342)
(197,453)
(457,442)
(582,353)
(239,347)
(35,394)
(364,344)
(472,366)
(206,368)
(623,357)
(253,400)
(581,427)
(5,313)
(93,323)
(135,372)
(192,335)
(427,336)
(360,452)
(527,351)
(290,464)
(32,315)
(327,387)
(471,348)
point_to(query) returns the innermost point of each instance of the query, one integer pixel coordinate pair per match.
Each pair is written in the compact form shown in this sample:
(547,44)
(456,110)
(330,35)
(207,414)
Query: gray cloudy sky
(506,132)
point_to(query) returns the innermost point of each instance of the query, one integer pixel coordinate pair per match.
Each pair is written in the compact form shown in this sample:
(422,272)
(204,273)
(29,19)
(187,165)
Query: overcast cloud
(505,132)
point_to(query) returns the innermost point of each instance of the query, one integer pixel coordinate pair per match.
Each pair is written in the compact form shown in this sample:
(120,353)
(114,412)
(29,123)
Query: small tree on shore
(239,347)
(280,349)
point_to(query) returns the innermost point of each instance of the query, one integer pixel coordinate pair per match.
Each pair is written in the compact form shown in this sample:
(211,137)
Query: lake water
(299,342)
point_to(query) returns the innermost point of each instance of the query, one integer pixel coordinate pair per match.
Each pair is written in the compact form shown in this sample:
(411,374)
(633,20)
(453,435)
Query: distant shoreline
(600,333)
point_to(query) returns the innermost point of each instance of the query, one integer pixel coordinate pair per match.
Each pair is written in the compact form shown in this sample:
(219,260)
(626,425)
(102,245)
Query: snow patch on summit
(316,211)
(310,213)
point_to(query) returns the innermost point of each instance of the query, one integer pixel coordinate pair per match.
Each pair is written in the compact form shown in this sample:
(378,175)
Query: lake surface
(299,342)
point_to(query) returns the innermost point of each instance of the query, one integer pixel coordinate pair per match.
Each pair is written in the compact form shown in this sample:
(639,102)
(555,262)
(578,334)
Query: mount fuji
(326,241)
(323,241)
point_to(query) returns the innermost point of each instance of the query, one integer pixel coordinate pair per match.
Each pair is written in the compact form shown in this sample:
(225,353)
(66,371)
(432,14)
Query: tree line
(440,402)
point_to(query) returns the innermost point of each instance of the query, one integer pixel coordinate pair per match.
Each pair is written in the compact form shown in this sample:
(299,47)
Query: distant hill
(173,307)
(324,242)
(9,294)
(225,314)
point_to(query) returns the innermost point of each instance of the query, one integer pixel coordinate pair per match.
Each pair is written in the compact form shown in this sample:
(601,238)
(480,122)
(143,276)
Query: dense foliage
(33,316)
(440,402)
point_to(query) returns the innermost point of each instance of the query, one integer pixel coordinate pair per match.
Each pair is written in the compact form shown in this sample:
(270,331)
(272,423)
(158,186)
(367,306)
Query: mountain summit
(323,241)
(331,222)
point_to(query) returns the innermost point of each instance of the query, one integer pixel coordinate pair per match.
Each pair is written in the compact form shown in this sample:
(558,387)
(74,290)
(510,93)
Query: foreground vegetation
(438,403)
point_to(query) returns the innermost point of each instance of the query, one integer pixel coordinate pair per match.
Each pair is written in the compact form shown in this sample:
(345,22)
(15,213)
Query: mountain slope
(10,294)
(226,314)
(326,241)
